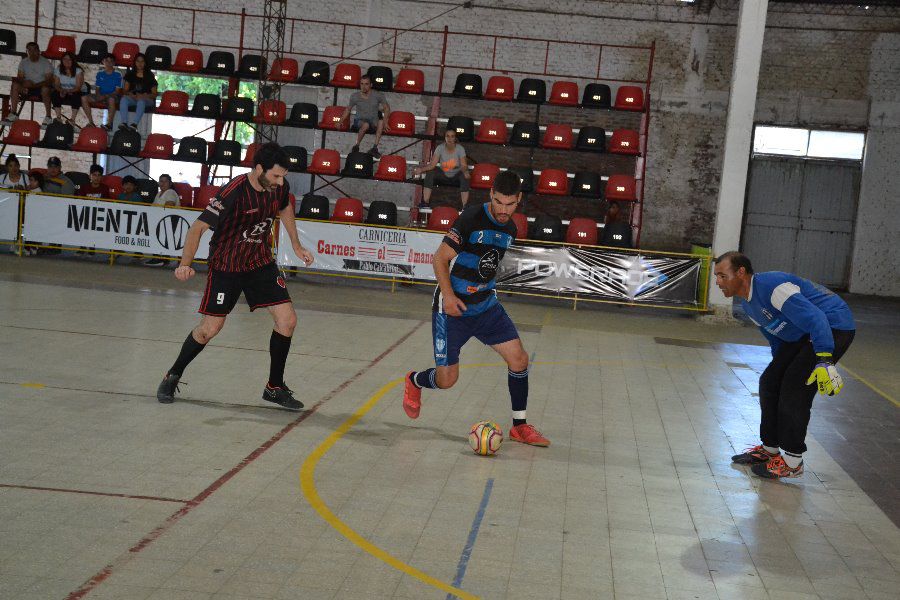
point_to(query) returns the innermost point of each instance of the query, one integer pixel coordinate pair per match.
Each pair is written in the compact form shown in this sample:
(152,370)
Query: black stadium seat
(468,85)
(616,234)
(382,77)
(8,41)
(58,136)
(303,114)
(596,95)
(251,66)
(382,212)
(315,72)
(126,142)
(296,157)
(219,63)
(464,128)
(547,228)
(158,57)
(313,206)
(591,139)
(148,189)
(238,109)
(527,177)
(207,106)
(191,149)
(92,51)
(587,185)
(226,152)
(78,178)
(358,164)
(532,90)
(525,133)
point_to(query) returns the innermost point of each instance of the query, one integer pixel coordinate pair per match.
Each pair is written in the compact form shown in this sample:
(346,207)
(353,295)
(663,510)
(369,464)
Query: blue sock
(518,393)
(424,379)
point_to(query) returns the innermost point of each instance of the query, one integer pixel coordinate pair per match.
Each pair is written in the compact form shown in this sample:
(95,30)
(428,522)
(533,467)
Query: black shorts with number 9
(262,287)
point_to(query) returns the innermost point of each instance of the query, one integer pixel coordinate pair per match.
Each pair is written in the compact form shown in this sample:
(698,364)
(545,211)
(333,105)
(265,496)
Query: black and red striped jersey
(241,219)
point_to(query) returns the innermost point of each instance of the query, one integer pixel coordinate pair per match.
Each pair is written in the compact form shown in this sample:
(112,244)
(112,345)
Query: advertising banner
(108,225)
(9,216)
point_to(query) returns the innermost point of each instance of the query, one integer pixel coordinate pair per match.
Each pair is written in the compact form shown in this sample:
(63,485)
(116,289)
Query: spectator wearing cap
(55,182)
(108,85)
(14,178)
(129,190)
(166,196)
(33,81)
(95,188)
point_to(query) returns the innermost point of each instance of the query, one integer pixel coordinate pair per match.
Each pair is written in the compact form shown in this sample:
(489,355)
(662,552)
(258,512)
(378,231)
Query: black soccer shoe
(282,396)
(753,456)
(165,393)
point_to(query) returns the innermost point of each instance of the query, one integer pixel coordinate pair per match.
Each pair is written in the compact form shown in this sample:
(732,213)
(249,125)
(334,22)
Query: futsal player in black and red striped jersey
(241,260)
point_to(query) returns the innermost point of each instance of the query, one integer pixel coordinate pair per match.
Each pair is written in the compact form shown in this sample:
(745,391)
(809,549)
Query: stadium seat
(249,155)
(284,70)
(331,119)
(554,182)
(78,178)
(382,77)
(225,152)
(238,109)
(346,75)
(617,235)
(521,222)
(391,168)
(621,187)
(630,97)
(125,142)
(250,67)
(526,176)
(358,164)
(325,162)
(625,141)
(206,106)
(158,145)
(492,131)
(59,45)
(219,62)
(381,212)
(91,139)
(159,57)
(482,177)
(185,193)
(410,81)
(315,72)
(58,135)
(125,53)
(296,158)
(532,90)
(401,123)
(442,218)
(464,128)
(303,114)
(547,228)
(204,194)
(313,206)
(564,93)
(114,183)
(596,95)
(500,87)
(558,137)
(173,102)
(271,112)
(587,184)
(348,210)
(191,149)
(148,189)
(591,139)
(8,42)
(188,60)
(92,51)
(525,134)
(582,231)
(468,85)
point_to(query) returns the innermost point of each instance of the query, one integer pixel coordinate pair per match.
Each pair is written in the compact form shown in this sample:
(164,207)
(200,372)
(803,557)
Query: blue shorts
(450,334)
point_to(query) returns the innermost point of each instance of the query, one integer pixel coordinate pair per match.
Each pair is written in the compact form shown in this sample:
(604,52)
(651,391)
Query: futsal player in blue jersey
(465,304)
(808,328)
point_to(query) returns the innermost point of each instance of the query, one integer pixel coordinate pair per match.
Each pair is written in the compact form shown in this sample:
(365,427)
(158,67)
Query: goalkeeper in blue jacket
(809,328)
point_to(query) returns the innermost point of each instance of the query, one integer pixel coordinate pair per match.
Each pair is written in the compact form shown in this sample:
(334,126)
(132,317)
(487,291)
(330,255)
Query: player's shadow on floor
(386,434)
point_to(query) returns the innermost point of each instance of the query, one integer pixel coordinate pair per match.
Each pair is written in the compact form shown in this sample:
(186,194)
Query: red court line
(90,493)
(104,574)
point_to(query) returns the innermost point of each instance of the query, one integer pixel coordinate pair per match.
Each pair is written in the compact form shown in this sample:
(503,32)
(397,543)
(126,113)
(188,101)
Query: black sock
(189,351)
(518,394)
(424,379)
(278,350)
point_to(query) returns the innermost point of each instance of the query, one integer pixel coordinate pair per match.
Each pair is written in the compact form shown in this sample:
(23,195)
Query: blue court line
(473,533)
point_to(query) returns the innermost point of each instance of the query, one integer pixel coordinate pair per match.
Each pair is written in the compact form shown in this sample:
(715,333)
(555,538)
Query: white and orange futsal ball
(485,438)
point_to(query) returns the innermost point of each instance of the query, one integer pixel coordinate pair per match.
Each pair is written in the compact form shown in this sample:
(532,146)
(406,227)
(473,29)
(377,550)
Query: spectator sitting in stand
(68,83)
(95,188)
(616,230)
(35,181)
(55,182)
(166,196)
(14,178)
(448,165)
(139,91)
(129,190)
(108,84)
(33,81)
(372,110)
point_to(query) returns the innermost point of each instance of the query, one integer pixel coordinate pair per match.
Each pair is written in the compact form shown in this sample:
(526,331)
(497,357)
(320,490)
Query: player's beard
(267,185)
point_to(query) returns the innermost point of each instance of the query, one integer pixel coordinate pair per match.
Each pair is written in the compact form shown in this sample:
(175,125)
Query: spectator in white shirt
(14,178)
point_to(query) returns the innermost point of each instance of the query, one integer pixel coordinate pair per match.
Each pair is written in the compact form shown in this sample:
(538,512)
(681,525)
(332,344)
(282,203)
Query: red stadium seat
(158,145)
(23,133)
(483,175)
(348,210)
(173,102)
(188,60)
(248,157)
(521,222)
(410,81)
(285,70)
(582,231)
(558,137)
(114,183)
(391,168)
(401,123)
(500,87)
(125,53)
(630,97)
(492,131)
(625,141)
(325,162)
(442,218)
(273,112)
(91,139)
(185,193)
(346,75)
(59,45)
(621,187)
(331,119)
(204,194)
(564,93)
(554,182)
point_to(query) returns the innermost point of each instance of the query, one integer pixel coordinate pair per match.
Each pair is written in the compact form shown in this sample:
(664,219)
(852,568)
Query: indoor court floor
(105,493)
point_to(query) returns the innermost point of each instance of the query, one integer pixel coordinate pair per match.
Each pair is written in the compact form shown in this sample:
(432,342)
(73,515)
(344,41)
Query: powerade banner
(9,215)
(592,272)
(108,225)
(363,250)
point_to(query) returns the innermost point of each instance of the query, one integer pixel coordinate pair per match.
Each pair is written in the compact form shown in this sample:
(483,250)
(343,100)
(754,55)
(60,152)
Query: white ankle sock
(792,460)
(770,449)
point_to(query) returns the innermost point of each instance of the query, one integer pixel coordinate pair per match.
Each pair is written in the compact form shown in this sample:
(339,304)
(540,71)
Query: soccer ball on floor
(485,438)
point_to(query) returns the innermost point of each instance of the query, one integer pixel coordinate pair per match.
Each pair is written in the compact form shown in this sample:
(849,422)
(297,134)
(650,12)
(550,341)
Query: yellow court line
(36,386)
(872,387)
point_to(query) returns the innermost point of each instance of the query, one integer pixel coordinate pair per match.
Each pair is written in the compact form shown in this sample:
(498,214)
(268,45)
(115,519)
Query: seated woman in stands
(139,92)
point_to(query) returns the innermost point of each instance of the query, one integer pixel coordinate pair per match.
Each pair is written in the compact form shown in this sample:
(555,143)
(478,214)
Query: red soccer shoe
(412,398)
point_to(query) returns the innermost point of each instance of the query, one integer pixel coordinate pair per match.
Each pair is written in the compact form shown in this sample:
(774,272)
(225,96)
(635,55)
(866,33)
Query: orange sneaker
(412,398)
(527,434)
(777,468)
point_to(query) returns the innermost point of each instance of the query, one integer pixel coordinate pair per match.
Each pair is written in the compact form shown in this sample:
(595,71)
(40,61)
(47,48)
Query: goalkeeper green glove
(826,376)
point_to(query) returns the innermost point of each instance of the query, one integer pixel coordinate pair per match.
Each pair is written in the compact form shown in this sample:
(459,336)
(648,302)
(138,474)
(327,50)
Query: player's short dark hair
(737,260)
(12,158)
(30,44)
(366,76)
(108,55)
(129,179)
(96,169)
(270,154)
(507,183)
